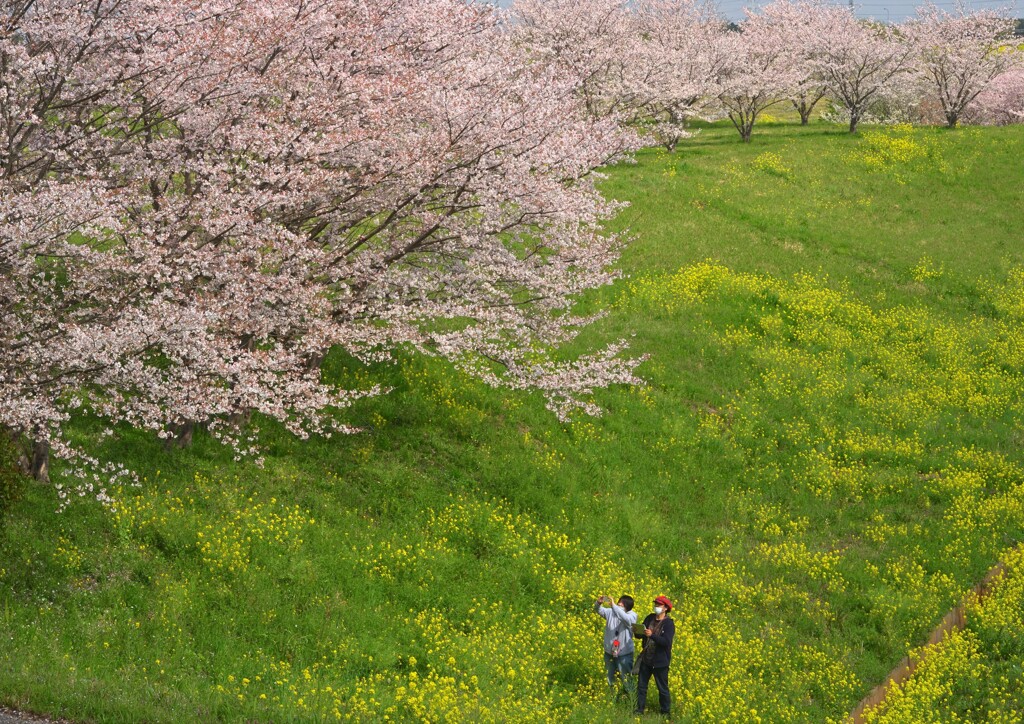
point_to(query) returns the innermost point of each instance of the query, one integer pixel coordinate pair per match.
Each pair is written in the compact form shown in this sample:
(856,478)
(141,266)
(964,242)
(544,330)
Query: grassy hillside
(827,455)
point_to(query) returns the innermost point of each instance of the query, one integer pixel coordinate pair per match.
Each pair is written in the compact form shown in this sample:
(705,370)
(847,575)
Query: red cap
(663,601)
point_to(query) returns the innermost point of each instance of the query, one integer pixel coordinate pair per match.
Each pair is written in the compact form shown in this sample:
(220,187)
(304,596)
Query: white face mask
(659,610)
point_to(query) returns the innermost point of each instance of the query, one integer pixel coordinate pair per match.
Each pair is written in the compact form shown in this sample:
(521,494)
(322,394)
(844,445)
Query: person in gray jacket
(618,637)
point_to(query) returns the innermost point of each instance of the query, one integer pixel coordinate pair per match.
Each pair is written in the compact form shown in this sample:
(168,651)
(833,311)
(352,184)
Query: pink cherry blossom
(199,200)
(1001,102)
(960,53)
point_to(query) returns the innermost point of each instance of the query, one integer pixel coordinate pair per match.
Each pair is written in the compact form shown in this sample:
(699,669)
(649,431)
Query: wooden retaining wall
(955,620)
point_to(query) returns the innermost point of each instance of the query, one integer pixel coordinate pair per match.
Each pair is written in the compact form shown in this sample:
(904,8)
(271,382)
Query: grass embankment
(826,457)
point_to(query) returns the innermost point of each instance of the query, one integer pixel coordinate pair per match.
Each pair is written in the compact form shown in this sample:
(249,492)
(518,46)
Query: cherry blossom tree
(797,22)
(675,64)
(204,198)
(858,61)
(961,53)
(757,71)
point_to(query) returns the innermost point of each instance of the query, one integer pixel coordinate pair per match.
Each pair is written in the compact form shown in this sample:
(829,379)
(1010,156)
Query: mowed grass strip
(826,456)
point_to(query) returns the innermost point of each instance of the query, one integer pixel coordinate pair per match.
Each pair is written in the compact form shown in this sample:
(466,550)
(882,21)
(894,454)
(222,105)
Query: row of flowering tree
(200,199)
(660,63)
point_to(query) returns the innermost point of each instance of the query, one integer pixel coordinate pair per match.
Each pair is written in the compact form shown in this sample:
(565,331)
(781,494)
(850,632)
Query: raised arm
(626,618)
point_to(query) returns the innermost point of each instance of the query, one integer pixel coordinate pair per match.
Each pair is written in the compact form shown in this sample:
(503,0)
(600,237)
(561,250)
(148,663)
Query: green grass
(827,455)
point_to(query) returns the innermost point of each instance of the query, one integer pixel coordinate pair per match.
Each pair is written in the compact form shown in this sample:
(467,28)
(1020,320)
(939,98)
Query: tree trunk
(952,117)
(316,361)
(807,105)
(804,109)
(854,120)
(241,419)
(181,435)
(748,128)
(23,462)
(40,467)
(32,456)
(743,123)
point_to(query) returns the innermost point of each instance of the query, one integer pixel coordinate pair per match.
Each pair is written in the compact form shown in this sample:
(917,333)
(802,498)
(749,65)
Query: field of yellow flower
(825,458)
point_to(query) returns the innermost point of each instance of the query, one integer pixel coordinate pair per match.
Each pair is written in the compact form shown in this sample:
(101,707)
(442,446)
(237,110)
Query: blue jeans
(623,664)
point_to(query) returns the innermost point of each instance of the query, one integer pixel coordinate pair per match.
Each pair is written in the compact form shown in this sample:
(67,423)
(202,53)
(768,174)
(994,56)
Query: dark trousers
(660,680)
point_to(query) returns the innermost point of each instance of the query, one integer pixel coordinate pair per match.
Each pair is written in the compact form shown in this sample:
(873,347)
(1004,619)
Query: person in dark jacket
(659,630)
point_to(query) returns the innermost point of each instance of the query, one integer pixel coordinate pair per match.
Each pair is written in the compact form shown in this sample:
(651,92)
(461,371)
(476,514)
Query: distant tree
(675,65)
(649,64)
(858,61)
(960,53)
(757,70)
(797,22)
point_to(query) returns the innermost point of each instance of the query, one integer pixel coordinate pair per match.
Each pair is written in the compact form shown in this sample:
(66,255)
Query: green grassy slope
(826,456)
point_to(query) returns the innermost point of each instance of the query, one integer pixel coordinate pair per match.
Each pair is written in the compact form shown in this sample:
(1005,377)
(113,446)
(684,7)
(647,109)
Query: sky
(890,10)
